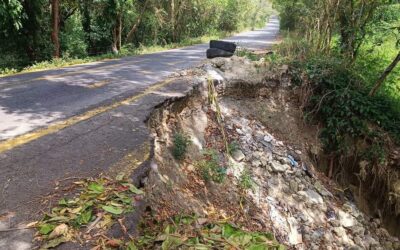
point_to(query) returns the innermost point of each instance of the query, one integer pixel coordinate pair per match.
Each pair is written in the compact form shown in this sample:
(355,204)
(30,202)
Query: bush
(341,102)
(210,167)
(246,181)
(181,142)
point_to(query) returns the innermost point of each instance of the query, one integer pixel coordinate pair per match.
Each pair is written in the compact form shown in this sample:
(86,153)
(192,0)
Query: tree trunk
(119,35)
(85,8)
(55,19)
(116,34)
(137,23)
(173,22)
(385,73)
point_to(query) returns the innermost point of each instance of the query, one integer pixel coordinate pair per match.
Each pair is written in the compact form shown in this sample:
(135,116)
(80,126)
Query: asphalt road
(83,120)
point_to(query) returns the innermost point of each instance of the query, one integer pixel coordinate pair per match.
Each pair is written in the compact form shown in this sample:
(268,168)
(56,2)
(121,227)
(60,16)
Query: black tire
(212,53)
(227,46)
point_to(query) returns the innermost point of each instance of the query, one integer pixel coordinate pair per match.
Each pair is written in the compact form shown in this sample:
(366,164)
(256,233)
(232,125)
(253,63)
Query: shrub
(246,181)
(181,142)
(339,99)
(210,167)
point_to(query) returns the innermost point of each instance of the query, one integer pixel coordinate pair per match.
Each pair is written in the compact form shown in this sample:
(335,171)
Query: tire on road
(213,52)
(227,46)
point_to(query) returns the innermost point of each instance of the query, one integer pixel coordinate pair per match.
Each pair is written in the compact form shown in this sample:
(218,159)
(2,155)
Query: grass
(373,60)
(125,51)
(246,181)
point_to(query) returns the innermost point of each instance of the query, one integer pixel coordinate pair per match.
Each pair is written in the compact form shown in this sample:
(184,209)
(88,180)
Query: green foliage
(210,167)
(242,52)
(246,181)
(88,28)
(339,64)
(340,100)
(104,198)
(233,146)
(10,15)
(181,142)
(185,232)
(72,38)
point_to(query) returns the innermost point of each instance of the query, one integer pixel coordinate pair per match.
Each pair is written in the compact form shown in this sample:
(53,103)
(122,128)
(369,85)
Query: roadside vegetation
(41,34)
(344,56)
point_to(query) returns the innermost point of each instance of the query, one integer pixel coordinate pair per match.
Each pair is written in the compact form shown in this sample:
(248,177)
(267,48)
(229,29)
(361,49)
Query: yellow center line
(25,138)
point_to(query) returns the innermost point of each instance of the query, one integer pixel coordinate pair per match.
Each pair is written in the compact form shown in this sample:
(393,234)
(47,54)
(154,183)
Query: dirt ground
(274,150)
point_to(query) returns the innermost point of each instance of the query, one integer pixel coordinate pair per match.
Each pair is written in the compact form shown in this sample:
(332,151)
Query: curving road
(32,100)
(83,120)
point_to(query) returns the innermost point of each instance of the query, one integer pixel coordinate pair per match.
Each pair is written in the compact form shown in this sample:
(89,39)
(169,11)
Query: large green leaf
(96,187)
(113,210)
(171,242)
(46,228)
(85,217)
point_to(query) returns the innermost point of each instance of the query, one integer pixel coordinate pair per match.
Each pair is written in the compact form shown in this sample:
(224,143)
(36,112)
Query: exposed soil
(259,113)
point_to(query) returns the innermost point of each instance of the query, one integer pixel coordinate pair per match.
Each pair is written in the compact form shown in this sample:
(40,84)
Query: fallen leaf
(46,228)
(96,187)
(113,243)
(53,243)
(113,210)
(135,190)
(60,230)
(120,177)
(32,224)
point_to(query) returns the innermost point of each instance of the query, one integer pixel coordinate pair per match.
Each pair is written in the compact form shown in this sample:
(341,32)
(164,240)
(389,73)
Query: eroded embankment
(236,149)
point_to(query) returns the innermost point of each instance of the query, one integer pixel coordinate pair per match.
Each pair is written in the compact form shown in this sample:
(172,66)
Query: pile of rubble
(304,213)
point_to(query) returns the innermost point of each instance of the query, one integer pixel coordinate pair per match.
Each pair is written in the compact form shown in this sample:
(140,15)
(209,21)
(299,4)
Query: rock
(279,167)
(370,241)
(346,220)
(238,155)
(358,230)
(264,160)
(294,186)
(339,231)
(328,237)
(268,138)
(312,196)
(377,222)
(213,53)
(321,189)
(355,248)
(317,235)
(359,241)
(388,245)
(256,163)
(294,236)
(266,144)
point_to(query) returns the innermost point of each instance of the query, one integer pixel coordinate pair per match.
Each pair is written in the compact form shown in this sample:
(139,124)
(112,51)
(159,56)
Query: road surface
(82,120)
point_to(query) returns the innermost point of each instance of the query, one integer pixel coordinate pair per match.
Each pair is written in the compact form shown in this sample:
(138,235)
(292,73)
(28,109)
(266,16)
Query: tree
(55,20)
(132,31)
(10,15)
(385,74)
